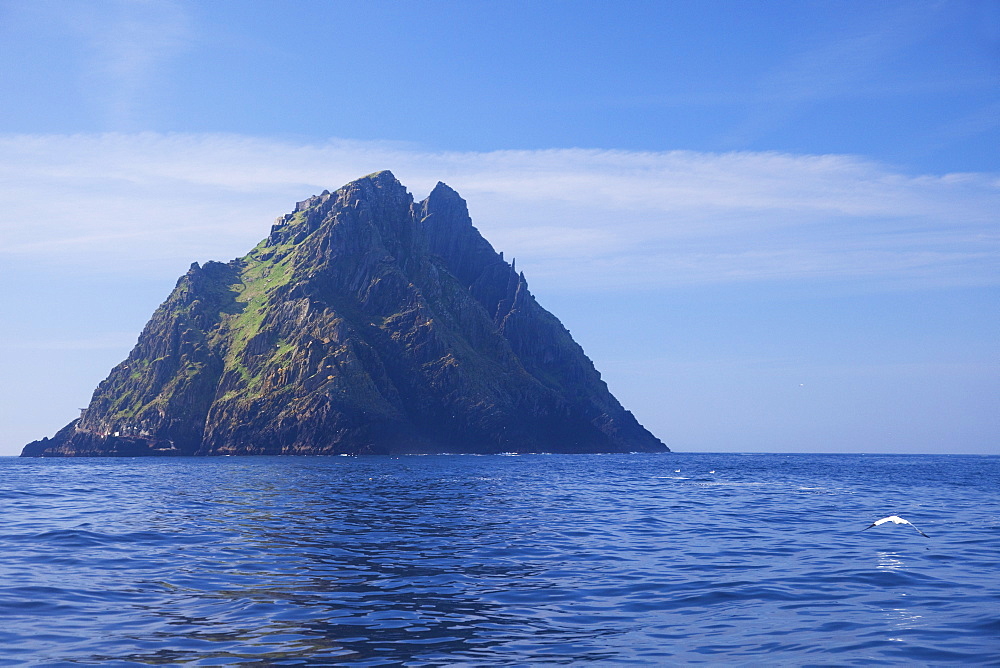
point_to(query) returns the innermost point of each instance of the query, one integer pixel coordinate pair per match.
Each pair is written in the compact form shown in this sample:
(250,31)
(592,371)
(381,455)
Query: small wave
(500,560)
(14,494)
(84,538)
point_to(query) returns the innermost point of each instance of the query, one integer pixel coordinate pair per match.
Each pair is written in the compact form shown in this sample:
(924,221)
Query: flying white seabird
(895,520)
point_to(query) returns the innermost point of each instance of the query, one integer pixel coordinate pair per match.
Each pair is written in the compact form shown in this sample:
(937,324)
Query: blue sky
(772,225)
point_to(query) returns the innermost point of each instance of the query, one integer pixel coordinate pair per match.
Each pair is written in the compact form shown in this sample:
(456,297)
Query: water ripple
(499,561)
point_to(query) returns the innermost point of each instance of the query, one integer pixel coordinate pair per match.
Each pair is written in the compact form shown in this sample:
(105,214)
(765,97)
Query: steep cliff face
(364,324)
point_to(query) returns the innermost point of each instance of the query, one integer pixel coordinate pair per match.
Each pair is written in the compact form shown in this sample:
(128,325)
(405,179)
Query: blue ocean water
(506,560)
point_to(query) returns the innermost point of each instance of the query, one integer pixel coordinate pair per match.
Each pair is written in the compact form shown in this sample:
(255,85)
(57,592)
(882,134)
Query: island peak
(365,323)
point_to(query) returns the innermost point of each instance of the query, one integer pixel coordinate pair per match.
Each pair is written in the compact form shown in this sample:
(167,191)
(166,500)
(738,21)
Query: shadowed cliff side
(364,324)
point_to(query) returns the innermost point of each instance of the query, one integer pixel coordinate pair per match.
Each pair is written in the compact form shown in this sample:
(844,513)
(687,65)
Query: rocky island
(365,323)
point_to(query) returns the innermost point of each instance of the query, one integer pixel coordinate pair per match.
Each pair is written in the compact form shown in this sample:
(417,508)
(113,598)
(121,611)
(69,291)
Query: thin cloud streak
(846,66)
(574,218)
(129,43)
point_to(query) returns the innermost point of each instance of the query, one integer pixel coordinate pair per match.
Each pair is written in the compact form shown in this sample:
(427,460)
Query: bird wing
(902,521)
(895,519)
(880,522)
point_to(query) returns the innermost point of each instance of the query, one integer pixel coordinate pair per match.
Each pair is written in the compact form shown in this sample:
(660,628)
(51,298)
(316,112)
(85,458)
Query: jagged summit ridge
(365,323)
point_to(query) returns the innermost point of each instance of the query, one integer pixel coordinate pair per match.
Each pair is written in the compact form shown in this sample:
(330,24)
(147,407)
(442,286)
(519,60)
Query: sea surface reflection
(499,560)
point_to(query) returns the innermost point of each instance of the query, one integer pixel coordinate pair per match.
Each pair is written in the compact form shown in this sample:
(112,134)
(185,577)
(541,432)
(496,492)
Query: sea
(668,559)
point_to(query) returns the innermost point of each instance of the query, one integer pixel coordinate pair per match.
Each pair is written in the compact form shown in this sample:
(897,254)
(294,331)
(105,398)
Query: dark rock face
(364,324)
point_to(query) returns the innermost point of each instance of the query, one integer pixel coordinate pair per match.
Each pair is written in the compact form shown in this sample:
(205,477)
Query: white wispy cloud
(132,44)
(116,54)
(574,218)
(862,60)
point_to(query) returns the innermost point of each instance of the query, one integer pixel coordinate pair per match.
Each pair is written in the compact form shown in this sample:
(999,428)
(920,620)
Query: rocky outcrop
(364,324)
